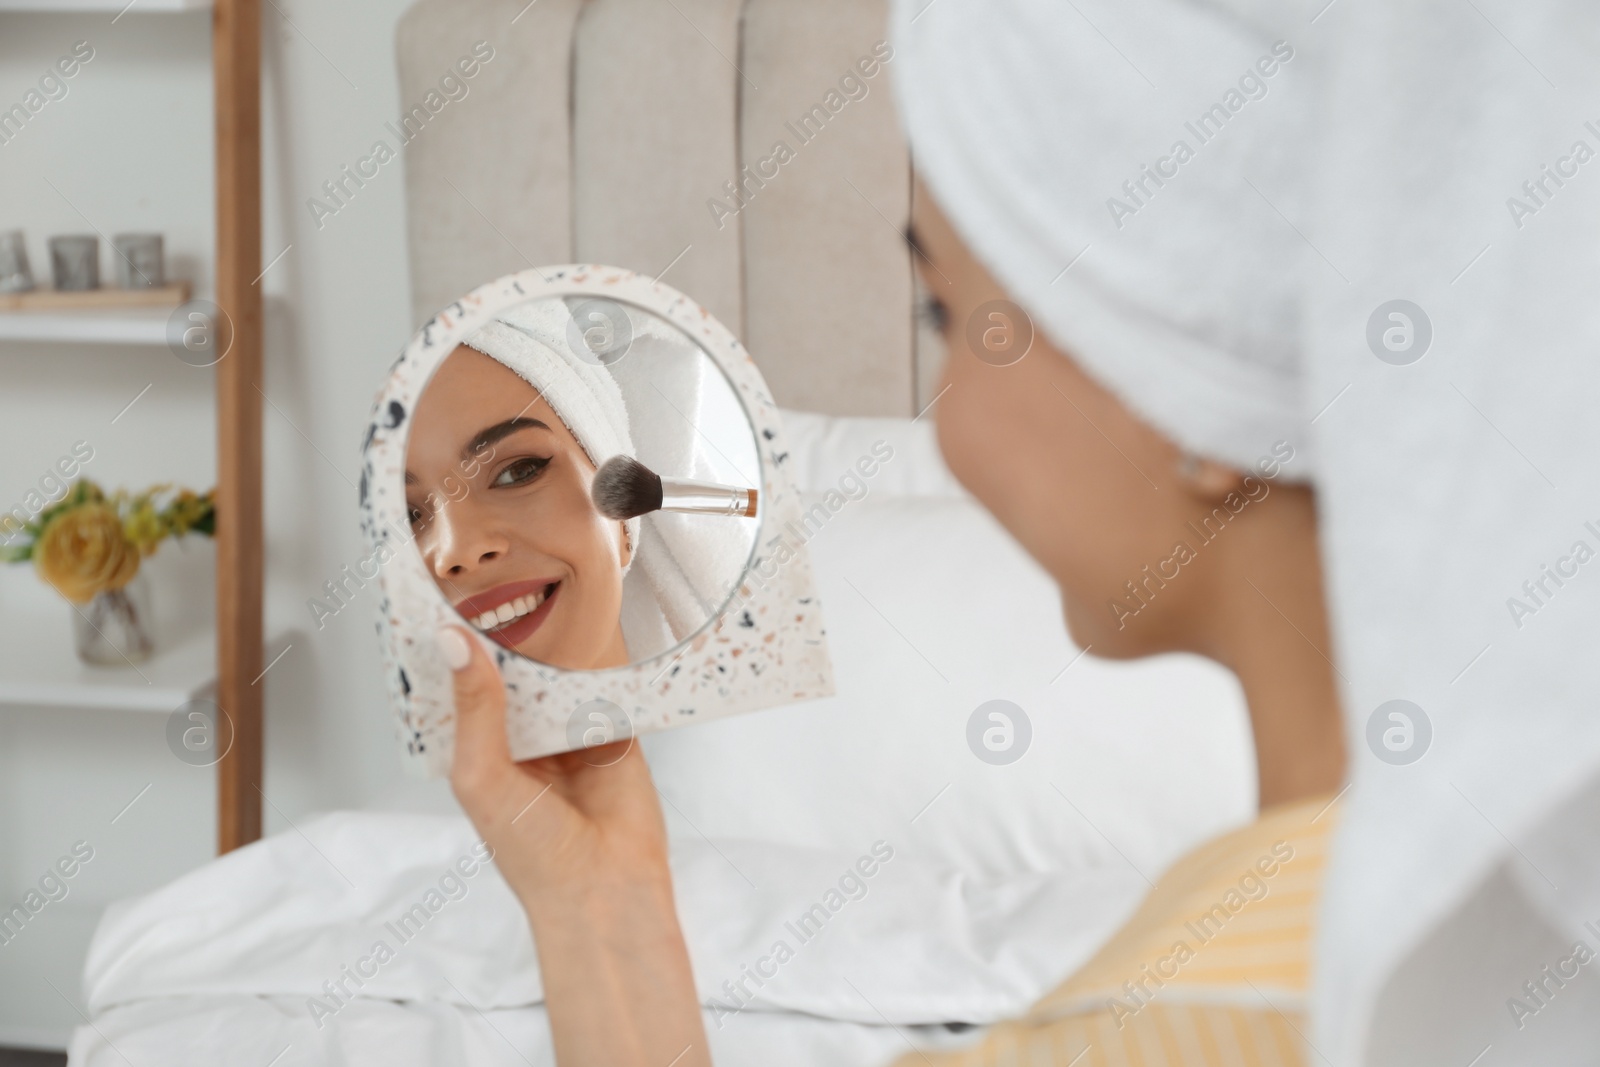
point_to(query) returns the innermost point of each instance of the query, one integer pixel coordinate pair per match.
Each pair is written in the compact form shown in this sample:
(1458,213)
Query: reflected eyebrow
(486,437)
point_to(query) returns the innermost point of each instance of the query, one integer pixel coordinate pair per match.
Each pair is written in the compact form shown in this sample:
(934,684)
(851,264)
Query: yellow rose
(83,553)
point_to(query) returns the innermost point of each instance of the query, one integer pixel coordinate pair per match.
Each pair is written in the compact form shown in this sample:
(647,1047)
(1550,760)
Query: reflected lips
(507,604)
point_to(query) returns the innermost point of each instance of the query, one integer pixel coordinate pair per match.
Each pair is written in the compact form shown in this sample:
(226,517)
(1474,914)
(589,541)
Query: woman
(592,868)
(1195,306)
(501,455)
(1099,496)
(497,486)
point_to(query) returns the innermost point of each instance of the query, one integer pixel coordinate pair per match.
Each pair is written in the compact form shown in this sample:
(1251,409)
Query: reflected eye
(520,472)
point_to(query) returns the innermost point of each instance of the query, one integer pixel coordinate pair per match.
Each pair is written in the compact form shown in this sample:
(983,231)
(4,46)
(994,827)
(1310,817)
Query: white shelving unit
(38,668)
(135,326)
(226,657)
(69,6)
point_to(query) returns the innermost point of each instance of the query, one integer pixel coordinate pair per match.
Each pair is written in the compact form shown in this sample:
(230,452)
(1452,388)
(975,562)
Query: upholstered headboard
(610,131)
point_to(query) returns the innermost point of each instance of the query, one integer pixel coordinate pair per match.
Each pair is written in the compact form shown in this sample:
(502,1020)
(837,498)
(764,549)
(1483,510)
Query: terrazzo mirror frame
(765,648)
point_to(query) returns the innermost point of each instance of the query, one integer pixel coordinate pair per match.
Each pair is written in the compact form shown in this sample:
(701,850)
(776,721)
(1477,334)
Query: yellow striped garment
(1211,970)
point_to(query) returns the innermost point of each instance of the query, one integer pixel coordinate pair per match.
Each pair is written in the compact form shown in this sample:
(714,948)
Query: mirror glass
(525,541)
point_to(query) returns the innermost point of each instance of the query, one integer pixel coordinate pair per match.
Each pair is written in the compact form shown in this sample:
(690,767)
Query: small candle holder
(140,262)
(15,274)
(75,262)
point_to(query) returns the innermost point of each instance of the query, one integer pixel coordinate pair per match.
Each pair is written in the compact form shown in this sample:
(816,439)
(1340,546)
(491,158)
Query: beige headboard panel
(827,274)
(655,133)
(489,176)
(607,132)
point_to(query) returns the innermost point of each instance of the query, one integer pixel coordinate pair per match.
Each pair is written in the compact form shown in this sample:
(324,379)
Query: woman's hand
(580,839)
(561,825)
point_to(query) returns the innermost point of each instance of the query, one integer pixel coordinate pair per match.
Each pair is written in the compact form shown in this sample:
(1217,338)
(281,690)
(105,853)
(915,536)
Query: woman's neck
(1269,625)
(615,653)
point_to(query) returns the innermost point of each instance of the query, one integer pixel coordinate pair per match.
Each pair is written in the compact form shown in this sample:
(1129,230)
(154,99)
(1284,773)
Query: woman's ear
(1207,478)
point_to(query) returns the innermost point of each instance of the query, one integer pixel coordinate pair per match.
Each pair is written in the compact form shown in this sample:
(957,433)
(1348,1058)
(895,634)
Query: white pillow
(824,449)
(931,610)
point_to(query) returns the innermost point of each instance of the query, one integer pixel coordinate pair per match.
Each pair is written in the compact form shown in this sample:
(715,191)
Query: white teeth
(512,609)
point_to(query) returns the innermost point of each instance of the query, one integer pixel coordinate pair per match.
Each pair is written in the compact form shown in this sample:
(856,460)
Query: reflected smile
(509,614)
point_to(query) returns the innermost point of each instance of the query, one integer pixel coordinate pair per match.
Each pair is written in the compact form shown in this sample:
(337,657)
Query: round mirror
(582,482)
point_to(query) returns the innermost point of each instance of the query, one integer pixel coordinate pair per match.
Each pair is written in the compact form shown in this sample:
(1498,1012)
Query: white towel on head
(1038,139)
(692,562)
(1388,159)
(1447,485)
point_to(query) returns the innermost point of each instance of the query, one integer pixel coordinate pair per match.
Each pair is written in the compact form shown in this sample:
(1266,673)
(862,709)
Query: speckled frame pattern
(767,647)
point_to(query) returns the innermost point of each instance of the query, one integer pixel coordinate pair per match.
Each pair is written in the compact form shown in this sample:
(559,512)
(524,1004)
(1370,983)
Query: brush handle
(706,498)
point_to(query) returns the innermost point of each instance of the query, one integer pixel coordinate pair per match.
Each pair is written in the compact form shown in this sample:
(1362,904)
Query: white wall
(130,148)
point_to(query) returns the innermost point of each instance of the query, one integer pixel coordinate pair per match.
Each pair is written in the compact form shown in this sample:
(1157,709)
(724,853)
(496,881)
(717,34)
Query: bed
(999,879)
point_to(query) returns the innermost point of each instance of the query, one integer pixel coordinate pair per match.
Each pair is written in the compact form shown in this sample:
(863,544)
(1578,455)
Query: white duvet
(384,938)
(1002,879)
(271,1031)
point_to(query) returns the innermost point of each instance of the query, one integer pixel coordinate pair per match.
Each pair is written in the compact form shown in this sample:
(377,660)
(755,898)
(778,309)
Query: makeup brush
(625,488)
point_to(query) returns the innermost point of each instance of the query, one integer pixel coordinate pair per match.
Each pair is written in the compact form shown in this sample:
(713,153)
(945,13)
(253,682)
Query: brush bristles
(625,488)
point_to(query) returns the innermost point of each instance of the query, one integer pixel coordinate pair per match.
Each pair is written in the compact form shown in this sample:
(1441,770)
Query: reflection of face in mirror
(498,492)
(500,483)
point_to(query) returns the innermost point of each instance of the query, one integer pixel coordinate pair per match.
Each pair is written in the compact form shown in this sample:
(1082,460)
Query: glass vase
(115,629)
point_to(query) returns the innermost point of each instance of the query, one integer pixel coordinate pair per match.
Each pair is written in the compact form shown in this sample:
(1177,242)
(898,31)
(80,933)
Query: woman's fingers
(482,754)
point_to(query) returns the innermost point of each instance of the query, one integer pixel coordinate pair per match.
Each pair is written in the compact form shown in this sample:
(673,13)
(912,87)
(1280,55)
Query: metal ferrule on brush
(706,498)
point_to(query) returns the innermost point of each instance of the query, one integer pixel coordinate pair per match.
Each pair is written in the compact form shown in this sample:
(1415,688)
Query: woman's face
(1087,488)
(498,492)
